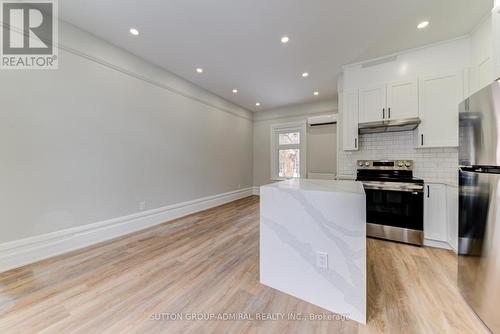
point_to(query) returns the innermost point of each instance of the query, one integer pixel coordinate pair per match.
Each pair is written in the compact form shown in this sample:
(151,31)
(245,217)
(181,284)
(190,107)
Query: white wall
(431,164)
(106,131)
(319,140)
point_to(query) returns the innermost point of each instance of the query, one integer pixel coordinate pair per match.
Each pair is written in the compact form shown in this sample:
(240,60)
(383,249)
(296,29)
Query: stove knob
(360,163)
(400,164)
(367,164)
(408,164)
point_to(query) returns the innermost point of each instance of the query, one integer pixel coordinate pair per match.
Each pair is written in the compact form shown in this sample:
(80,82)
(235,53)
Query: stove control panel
(385,164)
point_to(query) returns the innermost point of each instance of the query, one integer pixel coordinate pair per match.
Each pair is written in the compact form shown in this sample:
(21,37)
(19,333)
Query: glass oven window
(395,208)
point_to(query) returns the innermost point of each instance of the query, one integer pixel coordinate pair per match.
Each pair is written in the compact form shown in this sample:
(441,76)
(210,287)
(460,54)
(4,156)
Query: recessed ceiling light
(134,31)
(258,104)
(423,24)
(284,39)
(316,93)
(305,75)
(199,70)
(235,91)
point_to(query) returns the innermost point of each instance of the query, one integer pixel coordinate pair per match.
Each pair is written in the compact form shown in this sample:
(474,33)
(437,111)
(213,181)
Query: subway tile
(431,164)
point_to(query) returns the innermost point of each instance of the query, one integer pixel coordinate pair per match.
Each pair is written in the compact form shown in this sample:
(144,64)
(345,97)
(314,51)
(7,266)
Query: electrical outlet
(142,205)
(322,260)
(239,186)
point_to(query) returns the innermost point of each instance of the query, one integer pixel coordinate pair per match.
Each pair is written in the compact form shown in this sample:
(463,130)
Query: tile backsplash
(431,164)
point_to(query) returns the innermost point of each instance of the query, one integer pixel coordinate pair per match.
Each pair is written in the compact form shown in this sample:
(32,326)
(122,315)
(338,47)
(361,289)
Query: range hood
(407,124)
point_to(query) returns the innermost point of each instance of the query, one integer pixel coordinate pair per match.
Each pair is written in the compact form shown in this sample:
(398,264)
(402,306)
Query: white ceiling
(237,42)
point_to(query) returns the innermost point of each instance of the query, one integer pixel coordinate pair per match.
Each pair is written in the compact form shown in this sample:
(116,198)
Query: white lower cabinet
(435,222)
(441,215)
(452,212)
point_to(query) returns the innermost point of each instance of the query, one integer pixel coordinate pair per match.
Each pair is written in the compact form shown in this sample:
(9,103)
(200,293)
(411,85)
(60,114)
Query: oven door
(395,211)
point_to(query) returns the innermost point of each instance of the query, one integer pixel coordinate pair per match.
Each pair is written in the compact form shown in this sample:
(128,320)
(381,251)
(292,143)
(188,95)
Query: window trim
(301,127)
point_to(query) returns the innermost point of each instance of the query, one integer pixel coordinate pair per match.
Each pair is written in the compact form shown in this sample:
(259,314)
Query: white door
(435,219)
(402,99)
(350,120)
(372,101)
(439,97)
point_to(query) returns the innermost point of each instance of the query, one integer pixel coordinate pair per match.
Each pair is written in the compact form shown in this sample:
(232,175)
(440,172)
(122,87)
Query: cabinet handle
(383,113)
(389,111)
(428,192)
(355,142)
(422,140)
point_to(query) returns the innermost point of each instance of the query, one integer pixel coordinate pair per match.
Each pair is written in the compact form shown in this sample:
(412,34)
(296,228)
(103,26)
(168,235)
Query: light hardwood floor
(208,263)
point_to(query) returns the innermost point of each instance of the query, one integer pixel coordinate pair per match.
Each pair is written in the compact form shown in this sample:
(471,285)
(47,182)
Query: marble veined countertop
(336,186)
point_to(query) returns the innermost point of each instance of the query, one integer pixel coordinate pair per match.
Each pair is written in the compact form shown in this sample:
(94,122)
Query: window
(288,151)
(289,154)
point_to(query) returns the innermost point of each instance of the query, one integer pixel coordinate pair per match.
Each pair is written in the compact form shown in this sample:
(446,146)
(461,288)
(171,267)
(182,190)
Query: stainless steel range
(394,200)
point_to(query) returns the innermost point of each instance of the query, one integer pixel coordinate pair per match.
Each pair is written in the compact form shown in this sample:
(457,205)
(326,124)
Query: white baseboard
(25,251)
(437,244)
(256,191)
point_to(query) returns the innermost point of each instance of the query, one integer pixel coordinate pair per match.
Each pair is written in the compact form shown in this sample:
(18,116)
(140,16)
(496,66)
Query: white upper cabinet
(349,100)
(372,101)
(428,83)
(482,56)
(496,39)
(439,97)
(392,101)
(402,99)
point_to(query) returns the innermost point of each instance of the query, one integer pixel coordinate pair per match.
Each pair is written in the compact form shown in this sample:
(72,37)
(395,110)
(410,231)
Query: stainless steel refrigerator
(479,203)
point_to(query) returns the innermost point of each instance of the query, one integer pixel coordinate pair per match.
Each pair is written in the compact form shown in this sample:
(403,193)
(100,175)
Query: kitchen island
(313,243)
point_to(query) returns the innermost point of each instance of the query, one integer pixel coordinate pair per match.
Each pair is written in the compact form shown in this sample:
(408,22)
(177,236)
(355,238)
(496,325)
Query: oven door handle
(405,188)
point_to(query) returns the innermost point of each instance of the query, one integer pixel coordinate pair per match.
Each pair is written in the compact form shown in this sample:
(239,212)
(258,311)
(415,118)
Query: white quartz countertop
(304,219)
(338,186)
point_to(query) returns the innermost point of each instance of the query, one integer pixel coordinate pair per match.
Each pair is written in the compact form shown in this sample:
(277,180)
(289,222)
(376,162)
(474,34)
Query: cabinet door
(496,39)
(435,220)
(350,120)
(452,215)
(439,97)
(402,99)
(372,101)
